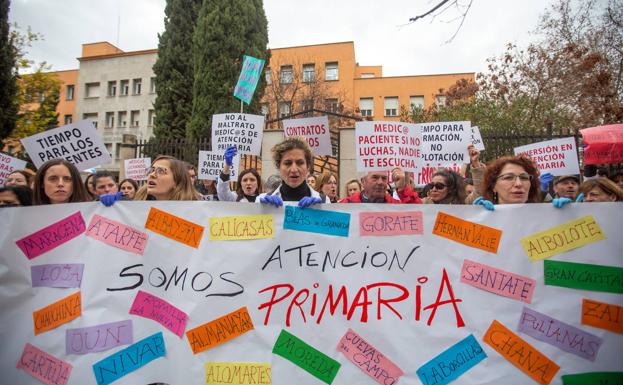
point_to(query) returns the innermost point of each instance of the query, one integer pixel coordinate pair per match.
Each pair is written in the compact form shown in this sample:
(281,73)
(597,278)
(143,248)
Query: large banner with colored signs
(214,293)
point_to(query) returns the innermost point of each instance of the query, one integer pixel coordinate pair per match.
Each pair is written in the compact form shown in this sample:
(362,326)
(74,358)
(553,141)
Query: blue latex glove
(580,197)
(229,155)
(274,200)
(308,201)
(483,202)
(545,180)
(561,202)
(110,199)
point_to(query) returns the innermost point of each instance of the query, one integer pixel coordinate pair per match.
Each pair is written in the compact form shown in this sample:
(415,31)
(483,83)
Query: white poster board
(245,131)
(444,144)
(137,168)
(382,146)
(211,164)
(558,156)
(477,139)
(315,130)
(7,165)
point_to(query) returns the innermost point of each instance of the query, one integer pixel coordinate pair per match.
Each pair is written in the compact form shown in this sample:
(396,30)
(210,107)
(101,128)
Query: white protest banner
(382,146)
(477,139)
(245,131)
(451,273)
(558,156)
(444,144)
(7,165)
(211,164)
(77,143)
(315,130)
(137,168)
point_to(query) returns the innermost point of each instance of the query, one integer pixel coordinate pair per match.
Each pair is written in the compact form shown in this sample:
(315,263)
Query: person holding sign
(601,190)
(402,183)
(249,181)
(58,181)
(293,158)
(167,179)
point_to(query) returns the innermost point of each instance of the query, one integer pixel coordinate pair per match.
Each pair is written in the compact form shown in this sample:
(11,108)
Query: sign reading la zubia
(604,144)
(315,130)
(8,164)
(77,143)
(381,146)
(558,156)
(245,131)
(249,76)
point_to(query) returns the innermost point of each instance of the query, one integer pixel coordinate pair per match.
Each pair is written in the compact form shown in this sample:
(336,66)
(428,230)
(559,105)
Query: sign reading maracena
(314,130)
(245,131)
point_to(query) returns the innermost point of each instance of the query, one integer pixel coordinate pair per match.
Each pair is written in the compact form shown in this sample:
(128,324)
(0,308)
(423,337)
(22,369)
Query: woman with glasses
(58,181)
(327,185)
(446,188)
(509,180)
(167,180)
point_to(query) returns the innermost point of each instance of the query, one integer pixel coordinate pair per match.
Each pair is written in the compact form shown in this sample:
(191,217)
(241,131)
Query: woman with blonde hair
(327,185)
(601,190)
(167,180)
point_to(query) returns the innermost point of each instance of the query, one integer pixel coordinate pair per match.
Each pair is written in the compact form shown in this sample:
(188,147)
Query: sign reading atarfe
(244,131)
(558,156)
(314,130)
(381,146)
(77,143)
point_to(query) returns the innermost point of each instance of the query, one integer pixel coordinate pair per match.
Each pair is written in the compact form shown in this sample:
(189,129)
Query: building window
(136,86)
(307,105)
(331,72)
(309,73)
(108,147)
(267,75)
(69,92)
(332,105)
(124,88)
(112,88)
(367,75)
(285,75)
(117,151)
(92,117)
(92,90)
(366,106)
(284,109)
(68,119)
(110,120)
(416,102)
(122,118)
(265,108)
(152,85)
(151,116)
(134,118)
(440,100)
(391,106)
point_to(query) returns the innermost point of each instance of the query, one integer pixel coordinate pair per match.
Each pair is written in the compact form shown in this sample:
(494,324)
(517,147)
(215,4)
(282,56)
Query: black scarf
(294,194)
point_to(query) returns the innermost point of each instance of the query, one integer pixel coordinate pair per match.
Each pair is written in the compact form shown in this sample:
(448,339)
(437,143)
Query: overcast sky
(379,29)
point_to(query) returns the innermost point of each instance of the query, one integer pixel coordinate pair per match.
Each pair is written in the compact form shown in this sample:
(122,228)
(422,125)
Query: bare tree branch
(436,7)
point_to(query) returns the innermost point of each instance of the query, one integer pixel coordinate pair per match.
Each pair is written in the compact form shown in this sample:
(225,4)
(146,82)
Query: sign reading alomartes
(249,76)
(245,131)
(381,146)
(314,130)
(77,143)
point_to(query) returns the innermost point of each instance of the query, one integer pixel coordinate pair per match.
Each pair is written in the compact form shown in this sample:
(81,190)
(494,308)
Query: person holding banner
(18,178)
(446,188)
(601,190)
(128,188)
(328,186)
(58,181)
(249,181)
(167,180)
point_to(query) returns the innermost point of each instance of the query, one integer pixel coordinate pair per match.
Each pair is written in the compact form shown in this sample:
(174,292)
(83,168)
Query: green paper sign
(306,357)
(249,76)
(593,378)
(583,276)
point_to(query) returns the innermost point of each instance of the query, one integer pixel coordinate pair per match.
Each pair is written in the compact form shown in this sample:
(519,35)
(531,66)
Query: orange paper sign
(520,353)
(174,227)
(220,330)
(57,313)
(467,233)
(602,315)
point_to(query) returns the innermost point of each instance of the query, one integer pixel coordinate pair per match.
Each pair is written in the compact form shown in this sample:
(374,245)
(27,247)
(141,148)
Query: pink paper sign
(117,234)
(497,281)
(52,236)
(361,353)
(159,310)
(390,223)
(43,366)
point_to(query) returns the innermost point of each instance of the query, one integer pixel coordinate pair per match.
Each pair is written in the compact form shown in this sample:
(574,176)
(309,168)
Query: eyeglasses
(510,178)
(160,171)
(437,186)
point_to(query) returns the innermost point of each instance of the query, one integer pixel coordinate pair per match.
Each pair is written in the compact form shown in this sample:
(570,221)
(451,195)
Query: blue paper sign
(249,76)
(316,221)
(453,362)
(129,359)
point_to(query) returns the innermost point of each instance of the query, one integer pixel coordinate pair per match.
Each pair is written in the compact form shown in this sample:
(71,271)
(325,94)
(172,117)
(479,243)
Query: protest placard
(249,76)
(603,144)
(444,144)
(477,139)
(558,156)
(211,164)
(315,130)
(382,146)
(78,143)
(137,168)
(7,165)
(245,131)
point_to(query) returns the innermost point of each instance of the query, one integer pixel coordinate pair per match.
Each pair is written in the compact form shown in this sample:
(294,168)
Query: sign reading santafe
(77,143)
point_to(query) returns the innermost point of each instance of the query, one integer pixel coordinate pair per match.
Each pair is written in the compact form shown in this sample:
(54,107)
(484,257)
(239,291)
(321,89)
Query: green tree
(8,75)
(226,30)
(174,69)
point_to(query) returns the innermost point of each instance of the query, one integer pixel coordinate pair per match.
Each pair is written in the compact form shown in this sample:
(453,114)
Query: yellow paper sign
(568,236)
(241,227)
(237,373)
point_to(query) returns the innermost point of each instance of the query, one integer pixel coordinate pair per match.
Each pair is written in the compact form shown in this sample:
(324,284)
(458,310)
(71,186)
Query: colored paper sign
(117,234)
(249,76)
(468,233)
(444,144)
(477,139)
(601,378)
(220,330)
(602,315)
(44,366)
(452,363)
(241,227)
(603,144)
(52,236)
(237,373)
(559,334)
(129,359)
(354,347)
(57,313)
(381,146)
(315,130)
(98,338)
(520,353)
(137,168)
(57,275)
(425,174)
(568,236)
(77,143)
(211,164)
(583,276)
(316,221)
(391,223)
(174,227)
(159,310)
(8,164)
(306,357)
(557,157)
(245,131)
(498,281)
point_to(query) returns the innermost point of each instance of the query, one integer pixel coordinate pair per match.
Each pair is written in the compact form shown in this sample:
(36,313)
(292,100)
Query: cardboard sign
(44,366)
(137,168)
(468,233)
(583,276)
(57,313)
(382,146)
(245,131)
(603,144)
(117,234)
(315,130)
(52,236)
(558,156)
(8,164)
(98,338)
(316,221)
(220,330)
(477,139)
(241,227)
(211,164)
(497,281)
(444,144)
(77,143)
(57,275)
(602,315)
(249,76)
(391,223)
(452,363)
(174,227)
(237,373)
(159,310)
